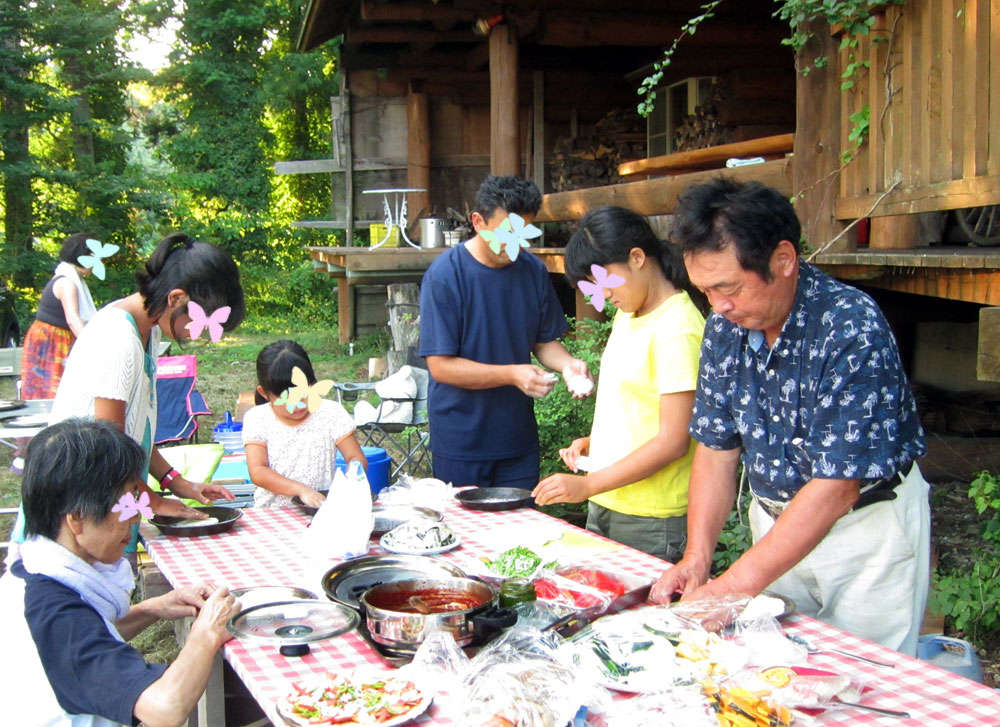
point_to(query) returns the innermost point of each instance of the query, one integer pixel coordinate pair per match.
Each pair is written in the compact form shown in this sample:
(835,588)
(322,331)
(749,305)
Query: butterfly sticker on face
(199,321)
(129,507)
(603,280)
(290,404)
(94,262)
(302,389)
(510,235)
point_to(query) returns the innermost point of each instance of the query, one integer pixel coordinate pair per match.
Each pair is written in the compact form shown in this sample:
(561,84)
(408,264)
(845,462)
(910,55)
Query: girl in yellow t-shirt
(639,452)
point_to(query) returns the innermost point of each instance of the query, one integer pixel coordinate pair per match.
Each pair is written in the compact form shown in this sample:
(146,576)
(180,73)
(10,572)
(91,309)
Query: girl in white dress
(292,452)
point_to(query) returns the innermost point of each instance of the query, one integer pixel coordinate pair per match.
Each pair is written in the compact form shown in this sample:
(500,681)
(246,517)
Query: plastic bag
(518,681)
(800,687)
(714,614)
(679,707)
(344,522)
(425,492)
(766,643)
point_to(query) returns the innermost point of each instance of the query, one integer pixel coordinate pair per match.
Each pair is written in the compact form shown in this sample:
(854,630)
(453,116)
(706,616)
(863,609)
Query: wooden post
(345,310)
(345,115)
(505,145)
(418,155)
(538,131)
(815,180)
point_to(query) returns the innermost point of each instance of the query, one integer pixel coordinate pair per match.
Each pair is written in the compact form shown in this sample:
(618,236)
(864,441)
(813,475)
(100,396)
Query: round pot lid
(259,595)
(293,622)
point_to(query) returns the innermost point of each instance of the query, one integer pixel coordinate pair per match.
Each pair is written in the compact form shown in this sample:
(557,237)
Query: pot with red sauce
(402,614)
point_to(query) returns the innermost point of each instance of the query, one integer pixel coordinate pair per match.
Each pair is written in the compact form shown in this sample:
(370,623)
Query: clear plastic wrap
(766,643)
(714,614)
(518,681)
(426,492)
(679,707)
(798,687)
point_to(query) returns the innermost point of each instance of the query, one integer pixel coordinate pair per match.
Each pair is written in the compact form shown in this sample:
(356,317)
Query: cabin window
(673,103)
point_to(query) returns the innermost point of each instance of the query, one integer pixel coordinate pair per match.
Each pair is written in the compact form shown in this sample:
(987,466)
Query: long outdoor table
(263,549)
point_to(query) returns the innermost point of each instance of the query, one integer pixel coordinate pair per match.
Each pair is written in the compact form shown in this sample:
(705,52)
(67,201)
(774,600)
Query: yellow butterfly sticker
(313,394)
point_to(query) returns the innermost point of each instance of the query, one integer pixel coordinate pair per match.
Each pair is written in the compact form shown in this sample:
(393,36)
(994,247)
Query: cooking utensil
(226,516)
(494,498)
(292,624)
(304,507)
(418,603)
(876,710)
(27,420)
(387,543)
(259,595)
(817,650)
(346,582)
(391,620)
(10,405)
(388,517)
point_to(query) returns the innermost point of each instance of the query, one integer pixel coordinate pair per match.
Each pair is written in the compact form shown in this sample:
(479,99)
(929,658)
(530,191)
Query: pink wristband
(171,475)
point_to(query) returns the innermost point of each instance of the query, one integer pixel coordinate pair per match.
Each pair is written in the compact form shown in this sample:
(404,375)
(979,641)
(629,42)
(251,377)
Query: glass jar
(516,590)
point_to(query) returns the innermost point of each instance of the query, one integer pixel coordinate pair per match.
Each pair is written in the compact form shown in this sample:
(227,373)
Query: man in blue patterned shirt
(800,379)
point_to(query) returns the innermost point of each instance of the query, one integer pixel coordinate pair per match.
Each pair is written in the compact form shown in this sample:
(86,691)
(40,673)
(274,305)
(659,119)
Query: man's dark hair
(74,246)
(274,367)
(509,193)
(750,216)
(77,466)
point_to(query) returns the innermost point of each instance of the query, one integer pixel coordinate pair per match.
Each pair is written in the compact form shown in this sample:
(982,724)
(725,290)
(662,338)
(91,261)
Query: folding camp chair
(398,425)
(178,402)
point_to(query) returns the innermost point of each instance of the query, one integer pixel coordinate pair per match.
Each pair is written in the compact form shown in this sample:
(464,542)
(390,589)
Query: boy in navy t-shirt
(481,317)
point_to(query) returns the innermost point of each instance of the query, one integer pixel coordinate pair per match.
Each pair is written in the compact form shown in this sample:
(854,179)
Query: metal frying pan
(226,516)
(495,498)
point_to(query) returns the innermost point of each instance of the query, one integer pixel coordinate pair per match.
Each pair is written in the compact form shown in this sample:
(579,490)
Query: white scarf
(85,303)
(105,588)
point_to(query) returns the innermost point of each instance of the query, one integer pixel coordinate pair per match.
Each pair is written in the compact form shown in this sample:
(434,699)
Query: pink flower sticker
(129,507)
(200,321)
(603,280)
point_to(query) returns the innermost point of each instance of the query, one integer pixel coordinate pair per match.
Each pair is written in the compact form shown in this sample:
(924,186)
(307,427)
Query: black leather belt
(883,490)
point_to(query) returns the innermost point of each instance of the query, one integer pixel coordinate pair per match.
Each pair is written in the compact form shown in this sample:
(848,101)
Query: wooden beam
(409,12)
(345,115)
(538,130)
(655,196)
(988,358)
(954,195)
(505,145)
(712,155)
(407,35)
(577,29)
(418,155)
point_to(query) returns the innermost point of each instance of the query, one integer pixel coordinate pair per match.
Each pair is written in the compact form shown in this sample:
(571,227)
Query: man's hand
(532,380)
(578,379)
(211,621)
(203,492)
(570,455)
(170,507)
(561,488)
(683,578)
(183,602)
(311,497)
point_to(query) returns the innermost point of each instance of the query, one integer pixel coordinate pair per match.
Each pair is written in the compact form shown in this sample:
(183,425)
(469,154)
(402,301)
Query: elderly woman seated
(65,603)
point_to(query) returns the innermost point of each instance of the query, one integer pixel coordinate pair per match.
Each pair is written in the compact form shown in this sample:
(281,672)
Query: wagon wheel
(981,225)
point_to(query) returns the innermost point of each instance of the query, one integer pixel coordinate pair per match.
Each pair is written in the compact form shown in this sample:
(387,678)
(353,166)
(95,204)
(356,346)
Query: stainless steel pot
(391,621)
(432,232)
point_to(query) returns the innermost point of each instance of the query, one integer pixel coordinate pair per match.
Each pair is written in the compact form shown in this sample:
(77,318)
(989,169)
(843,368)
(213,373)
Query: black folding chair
(406,442)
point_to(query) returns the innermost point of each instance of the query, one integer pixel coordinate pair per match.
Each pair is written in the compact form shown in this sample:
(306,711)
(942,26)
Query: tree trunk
(404,324)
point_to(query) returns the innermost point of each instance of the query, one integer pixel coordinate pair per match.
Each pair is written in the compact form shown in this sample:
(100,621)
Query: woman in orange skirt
(64,308)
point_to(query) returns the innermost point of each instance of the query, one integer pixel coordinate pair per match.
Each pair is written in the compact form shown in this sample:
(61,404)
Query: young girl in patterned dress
(292,453)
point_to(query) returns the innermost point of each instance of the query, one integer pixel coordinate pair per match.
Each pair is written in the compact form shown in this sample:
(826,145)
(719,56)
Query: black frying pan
(495,498)
(227,517)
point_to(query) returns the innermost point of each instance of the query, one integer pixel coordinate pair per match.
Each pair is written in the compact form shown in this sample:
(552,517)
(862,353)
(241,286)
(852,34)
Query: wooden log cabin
(429,103)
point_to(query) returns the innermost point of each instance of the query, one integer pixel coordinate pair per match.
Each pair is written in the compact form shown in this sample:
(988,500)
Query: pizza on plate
(342,700)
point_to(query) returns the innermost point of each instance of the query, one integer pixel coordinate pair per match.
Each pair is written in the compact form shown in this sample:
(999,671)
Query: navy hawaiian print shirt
(828,400)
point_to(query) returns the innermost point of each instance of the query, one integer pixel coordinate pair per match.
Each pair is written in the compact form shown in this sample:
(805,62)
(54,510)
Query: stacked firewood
(704,128)
(592,161)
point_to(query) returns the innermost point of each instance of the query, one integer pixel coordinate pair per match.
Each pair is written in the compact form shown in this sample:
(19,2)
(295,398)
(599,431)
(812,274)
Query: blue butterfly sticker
(510,235)
(94,262)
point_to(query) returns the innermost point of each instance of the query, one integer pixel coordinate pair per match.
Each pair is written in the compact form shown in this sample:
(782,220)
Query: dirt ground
(955,528)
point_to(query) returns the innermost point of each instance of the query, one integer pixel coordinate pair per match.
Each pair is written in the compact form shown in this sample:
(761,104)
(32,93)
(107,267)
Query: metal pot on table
(402,614)
(432,232)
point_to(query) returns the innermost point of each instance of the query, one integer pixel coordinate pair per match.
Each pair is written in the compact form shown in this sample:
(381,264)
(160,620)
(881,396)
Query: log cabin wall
(933,93)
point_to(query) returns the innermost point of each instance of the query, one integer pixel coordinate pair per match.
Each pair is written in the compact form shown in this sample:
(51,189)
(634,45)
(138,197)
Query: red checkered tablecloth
(263,549)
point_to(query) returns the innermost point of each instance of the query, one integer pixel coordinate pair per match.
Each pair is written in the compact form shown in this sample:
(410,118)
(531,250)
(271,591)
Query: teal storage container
(379,465)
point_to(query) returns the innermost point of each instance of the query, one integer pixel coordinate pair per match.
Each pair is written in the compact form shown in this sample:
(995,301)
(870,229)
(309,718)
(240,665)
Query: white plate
(421,707)
(387,546)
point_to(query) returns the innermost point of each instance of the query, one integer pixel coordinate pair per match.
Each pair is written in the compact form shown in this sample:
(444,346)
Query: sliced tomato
(383,715)
(599,580)
(546,589)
